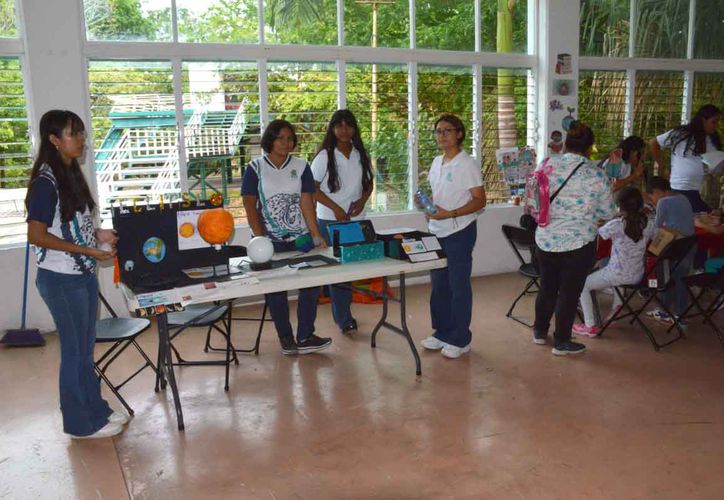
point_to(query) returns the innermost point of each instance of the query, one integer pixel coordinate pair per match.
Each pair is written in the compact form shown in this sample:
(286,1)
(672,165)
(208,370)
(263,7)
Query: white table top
(309,277)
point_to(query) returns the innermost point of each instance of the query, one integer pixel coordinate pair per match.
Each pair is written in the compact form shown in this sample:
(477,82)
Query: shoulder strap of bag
(566,181)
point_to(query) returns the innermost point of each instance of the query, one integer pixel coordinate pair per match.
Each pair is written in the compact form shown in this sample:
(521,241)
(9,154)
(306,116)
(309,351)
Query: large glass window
(301,22)
(221,128)
(506,122)
(504,25)
(134,131)
(377,23)
(8,28)
(218,21)
(128,20)
(602,106)
(15,157)
(446,25)
(441,89)
(605,28)
(708,89)
(662,28)
(305,94)
(708,39)
(377,95)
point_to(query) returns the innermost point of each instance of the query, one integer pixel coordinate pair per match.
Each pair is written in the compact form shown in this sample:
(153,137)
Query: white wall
(492,255)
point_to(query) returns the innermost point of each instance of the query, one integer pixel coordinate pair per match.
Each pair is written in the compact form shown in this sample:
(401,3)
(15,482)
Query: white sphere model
(260,249)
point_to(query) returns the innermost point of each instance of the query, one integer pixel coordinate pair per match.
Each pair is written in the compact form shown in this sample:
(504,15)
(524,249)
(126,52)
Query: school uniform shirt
(451,183)
(687,169)
(279,193)
(349,172)
(584,201)
(626,265)
(617,171)
(44,206)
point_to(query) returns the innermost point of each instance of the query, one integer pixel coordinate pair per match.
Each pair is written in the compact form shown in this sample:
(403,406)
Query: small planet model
(154,249)
(186,230)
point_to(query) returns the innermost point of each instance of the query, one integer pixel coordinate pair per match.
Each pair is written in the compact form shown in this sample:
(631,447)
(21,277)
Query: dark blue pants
(341,297)
(697,202)
(562,277)
(306,306)
(73,303)
(451,301)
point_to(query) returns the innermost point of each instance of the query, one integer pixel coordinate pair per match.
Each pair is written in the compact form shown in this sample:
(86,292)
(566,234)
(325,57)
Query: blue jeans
(73,303)
(451,301)
(341,297)
(676,298)
(306,306)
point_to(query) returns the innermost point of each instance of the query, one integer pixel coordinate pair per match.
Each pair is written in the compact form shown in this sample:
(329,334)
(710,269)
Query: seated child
(630,234)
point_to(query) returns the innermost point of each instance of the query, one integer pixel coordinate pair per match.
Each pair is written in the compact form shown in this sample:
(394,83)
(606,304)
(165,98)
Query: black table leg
(402,329)
(165,365)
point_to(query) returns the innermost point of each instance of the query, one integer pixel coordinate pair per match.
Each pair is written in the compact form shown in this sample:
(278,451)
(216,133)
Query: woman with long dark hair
(343,177)
(62,227)
(688,143)
(630,169)
(566,246)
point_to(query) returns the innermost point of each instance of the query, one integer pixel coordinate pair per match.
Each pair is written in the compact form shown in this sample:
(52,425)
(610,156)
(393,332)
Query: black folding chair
(664,267)
(706,282)
(121,333)
(522,239)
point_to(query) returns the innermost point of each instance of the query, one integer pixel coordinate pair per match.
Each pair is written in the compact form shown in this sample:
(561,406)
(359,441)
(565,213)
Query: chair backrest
(671,258)
(520,239)
(107,305)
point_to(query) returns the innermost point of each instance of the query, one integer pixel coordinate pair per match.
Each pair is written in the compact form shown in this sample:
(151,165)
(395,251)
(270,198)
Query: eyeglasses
(444,132)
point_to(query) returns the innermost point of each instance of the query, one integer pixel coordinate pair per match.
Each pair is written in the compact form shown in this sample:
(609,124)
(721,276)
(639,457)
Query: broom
(23,337)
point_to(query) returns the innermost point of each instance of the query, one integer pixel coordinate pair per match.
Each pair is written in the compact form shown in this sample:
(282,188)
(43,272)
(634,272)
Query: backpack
(538,200)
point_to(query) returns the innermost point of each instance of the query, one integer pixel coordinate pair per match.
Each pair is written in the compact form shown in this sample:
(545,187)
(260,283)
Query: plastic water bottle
(425,201)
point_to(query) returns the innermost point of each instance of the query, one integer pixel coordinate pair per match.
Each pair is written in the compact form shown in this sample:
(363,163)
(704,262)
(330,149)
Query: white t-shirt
(687,169)
(451,183)
(349,172)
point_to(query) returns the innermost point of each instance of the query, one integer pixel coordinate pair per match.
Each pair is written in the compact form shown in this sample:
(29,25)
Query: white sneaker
(433,343)
(453,351)
(108,430)
(119,418)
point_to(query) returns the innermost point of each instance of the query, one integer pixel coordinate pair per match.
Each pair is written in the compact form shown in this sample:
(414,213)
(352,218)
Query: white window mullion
(174,22)
(532,122)
(686,110)
(179,106)
(413,24)
(632,28)
(478,27)
(341,84)
(412,127)
(260,16)
(340,22)
(630,95)
(263,94)
(477,111)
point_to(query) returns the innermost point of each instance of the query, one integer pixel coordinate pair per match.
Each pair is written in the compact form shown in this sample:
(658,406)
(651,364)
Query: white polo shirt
(451,183)
(687,169)
(349,171)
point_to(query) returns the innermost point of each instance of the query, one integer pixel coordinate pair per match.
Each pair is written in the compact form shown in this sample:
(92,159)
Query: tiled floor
(508,421)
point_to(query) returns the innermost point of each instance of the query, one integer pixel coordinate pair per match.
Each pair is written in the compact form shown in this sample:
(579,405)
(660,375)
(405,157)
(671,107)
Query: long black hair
(630,145)
(73,192)
(631,203)
(330,142)
(693,135)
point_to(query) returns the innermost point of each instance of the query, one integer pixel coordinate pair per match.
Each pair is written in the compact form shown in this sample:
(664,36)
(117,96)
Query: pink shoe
(586,331)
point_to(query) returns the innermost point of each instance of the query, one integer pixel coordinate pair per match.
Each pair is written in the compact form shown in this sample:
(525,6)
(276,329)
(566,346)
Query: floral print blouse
(583,202)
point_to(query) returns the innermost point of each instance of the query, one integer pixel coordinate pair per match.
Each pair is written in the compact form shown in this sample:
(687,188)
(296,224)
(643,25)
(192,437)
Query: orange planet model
(186,230)
(215,225)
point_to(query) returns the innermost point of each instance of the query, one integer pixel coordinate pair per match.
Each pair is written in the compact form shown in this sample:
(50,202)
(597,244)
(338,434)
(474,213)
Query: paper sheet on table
(422,257)
(396,230)
(431,243)
(157,298)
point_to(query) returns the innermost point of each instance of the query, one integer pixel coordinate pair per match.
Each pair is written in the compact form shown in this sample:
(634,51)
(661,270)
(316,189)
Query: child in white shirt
(630,233)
